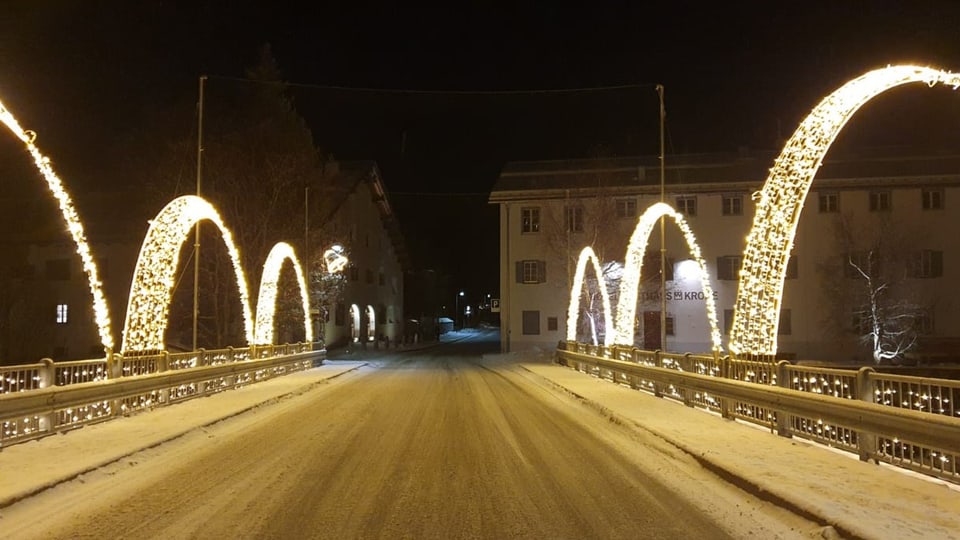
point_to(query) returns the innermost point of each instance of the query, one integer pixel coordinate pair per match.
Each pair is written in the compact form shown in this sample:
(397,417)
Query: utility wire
(438,92)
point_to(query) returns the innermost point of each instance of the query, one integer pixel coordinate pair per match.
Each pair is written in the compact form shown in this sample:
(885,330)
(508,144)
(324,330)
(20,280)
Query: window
(931,199)
(354,273)
(923,323)
(786,326)
(531,271)
(854,263)
(383,280)
(792,267)
(880,201)
(732,205)
(369,274)
(727,321)
(530,220)
(58,269)
(552,324)
(829,202)
(650,269)
(626,208)
(928,264)
(669,326)
(862,322)
(531,323)
(728,267)
(61,314)
(687,205)
(573,219)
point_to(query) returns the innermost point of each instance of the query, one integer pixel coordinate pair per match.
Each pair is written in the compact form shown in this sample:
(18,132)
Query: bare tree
(870,286)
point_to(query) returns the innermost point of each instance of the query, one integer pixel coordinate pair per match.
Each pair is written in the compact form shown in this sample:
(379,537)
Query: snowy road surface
(435,444)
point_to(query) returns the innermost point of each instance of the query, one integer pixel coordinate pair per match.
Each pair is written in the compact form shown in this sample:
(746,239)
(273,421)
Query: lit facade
(551,210)
(355,212)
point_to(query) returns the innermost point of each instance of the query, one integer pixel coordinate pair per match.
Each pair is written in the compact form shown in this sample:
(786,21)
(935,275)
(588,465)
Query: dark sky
(82,74)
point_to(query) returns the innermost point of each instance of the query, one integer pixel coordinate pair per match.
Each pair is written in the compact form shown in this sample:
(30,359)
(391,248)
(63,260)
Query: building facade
(874,243)
(354,212)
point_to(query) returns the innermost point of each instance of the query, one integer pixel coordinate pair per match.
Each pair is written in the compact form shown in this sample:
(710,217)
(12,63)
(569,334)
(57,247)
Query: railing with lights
(910,422)
(49,397)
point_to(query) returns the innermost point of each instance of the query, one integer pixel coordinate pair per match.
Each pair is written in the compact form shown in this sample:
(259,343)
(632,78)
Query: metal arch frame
(633,262)
(149,303)
(779,202)
(267,296)
(573,310)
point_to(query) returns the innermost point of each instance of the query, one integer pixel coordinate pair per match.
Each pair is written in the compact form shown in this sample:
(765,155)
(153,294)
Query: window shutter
(542,271)
(519,270)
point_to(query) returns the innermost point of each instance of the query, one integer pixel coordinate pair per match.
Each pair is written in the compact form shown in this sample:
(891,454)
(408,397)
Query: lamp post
(456,315)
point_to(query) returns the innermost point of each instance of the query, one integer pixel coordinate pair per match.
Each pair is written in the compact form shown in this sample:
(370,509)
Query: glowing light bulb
(74,226)
(149,303)
(267,298)
(760,294)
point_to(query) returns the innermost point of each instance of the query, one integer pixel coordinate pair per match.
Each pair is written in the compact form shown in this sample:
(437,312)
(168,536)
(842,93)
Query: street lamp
(456,314)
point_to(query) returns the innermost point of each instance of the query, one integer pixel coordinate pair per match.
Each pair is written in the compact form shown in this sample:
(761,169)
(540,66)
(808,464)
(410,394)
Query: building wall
(372,257)
(805,296)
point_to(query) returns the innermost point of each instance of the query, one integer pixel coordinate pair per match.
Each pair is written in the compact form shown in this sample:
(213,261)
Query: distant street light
(456,314)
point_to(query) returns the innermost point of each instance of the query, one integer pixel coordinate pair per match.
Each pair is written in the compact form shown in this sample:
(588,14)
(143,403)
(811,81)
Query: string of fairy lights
(267,300)
(756,314)
(154,275)
(74,226)
(573,311)
(762,275)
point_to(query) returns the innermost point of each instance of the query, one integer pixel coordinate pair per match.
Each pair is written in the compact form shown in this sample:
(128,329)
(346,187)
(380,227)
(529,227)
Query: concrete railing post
(726,404)
(658,361)
(783,419)
(866,442)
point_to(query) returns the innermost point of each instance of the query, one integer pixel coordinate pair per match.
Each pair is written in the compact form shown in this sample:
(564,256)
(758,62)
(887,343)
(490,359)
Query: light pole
(456,314)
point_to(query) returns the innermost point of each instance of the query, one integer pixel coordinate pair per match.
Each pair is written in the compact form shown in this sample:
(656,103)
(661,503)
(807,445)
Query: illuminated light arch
(267,297)
(630,283)
(371,323)
(355,323)
(154,276)
(573,312)
(74,226)
(779,202)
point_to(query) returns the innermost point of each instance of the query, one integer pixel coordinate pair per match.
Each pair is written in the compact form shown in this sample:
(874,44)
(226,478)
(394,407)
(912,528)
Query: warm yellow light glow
(74,226)
(371,323)
(630,283)
(756,314)
(267,298)
(154,276)
(334,258)
(573,312)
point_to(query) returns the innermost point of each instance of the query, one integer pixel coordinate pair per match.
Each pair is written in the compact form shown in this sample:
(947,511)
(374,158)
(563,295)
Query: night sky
(431,93)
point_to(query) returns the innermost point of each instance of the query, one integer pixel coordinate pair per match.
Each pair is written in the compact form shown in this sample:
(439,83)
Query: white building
(897,207)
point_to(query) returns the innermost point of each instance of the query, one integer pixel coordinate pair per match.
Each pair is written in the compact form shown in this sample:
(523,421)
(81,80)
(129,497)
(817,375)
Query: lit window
(687,205)
(932,199)
(732,205)
(829,202)
(573,219)
(530,220)
(626,208)
(61,314)
(880,201)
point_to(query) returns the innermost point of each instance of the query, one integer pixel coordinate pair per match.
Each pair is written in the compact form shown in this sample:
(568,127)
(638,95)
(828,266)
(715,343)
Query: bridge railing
(909,422)
(50,397)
